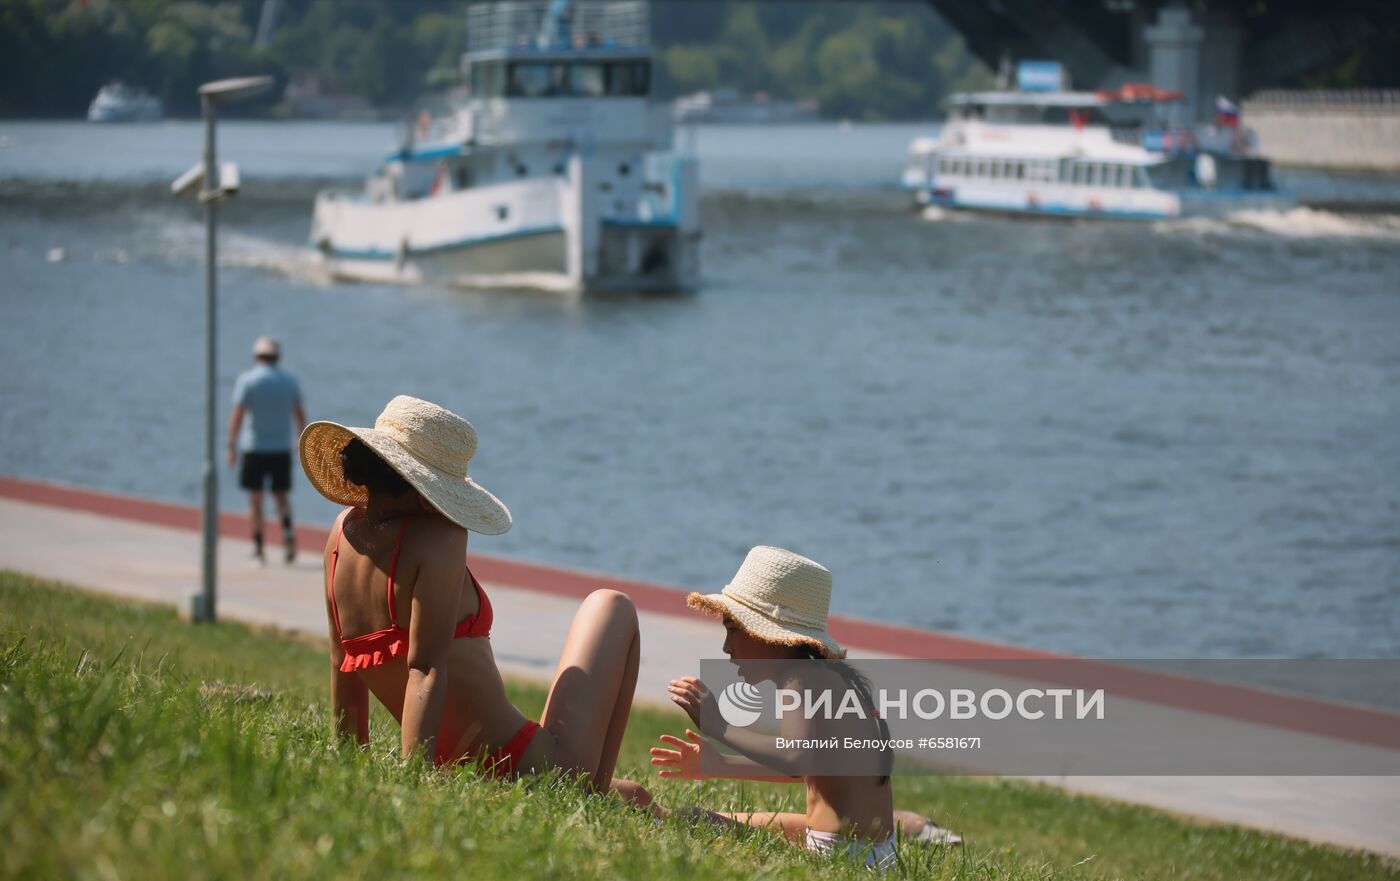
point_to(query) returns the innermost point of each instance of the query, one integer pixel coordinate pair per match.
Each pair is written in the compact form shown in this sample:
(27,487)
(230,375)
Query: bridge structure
(1229,48)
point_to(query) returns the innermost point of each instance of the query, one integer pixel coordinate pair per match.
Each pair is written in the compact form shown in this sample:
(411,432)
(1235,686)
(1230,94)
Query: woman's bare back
(478,716)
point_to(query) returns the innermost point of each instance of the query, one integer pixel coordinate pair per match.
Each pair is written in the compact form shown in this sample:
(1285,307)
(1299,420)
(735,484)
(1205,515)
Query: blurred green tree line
(862,61)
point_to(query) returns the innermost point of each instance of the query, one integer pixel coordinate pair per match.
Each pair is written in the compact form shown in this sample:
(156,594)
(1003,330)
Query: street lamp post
(213,186)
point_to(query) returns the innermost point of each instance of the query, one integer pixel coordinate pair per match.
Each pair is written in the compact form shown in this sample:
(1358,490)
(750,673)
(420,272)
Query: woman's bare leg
(592,692)
(792,826)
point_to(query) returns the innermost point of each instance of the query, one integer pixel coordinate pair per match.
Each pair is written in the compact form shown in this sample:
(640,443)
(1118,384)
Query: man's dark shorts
(259,468)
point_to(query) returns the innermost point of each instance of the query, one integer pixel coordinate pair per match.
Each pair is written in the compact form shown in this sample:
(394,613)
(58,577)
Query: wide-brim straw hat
(427,445)
(778,597)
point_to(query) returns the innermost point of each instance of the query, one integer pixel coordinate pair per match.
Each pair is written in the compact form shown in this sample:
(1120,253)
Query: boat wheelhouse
(1088,154)
(555,171)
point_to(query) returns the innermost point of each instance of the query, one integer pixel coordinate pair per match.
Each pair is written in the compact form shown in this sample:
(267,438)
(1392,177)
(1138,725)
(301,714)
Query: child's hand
(684,761)
(691,695)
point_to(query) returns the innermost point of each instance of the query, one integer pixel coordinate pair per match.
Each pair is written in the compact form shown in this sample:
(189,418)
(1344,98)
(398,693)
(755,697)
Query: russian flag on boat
(1226,113)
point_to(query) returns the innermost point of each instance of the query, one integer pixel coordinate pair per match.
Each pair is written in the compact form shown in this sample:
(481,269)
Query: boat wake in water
(1296,223)
(182,242)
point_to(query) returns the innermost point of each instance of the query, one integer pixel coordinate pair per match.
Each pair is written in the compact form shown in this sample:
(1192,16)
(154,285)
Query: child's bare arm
(691,695)
(696,759)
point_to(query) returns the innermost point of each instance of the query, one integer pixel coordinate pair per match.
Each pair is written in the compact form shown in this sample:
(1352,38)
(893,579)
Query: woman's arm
(349,699)
(349,696)
(435,595)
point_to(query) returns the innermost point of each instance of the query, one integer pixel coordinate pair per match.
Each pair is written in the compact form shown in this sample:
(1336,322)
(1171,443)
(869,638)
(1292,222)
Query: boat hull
(544,233)
(1078,202)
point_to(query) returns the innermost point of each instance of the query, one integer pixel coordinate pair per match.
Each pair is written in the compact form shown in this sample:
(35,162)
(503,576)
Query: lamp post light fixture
(212,184)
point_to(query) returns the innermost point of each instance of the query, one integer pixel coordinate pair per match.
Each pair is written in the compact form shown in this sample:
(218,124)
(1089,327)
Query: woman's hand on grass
(685,760)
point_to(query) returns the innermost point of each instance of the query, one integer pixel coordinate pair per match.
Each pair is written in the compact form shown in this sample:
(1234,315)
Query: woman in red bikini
(409,623)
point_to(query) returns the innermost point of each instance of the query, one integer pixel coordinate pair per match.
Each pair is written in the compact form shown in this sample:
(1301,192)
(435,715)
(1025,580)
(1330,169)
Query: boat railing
(1326,100)
(552,25)
(1201,139)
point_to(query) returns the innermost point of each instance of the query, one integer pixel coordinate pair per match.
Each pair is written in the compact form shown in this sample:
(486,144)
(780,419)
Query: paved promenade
(150,551)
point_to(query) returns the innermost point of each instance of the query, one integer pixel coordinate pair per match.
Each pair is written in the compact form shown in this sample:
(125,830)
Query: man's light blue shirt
(268,395)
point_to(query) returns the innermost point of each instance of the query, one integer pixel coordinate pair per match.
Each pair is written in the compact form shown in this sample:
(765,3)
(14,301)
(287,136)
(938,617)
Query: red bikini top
(377,648)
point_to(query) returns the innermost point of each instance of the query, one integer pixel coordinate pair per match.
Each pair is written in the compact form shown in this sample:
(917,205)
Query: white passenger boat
(555,173)
(1089,154)
(118,102)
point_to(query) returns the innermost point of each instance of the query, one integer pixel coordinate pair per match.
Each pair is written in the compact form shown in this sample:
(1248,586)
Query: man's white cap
(266,347)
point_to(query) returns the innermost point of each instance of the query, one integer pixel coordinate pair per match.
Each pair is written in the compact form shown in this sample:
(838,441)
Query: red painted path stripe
(1303,714)
(516,573)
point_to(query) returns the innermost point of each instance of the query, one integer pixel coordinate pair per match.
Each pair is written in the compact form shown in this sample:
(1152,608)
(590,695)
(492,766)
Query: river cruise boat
(1111,154)
(555,171)
(118,102)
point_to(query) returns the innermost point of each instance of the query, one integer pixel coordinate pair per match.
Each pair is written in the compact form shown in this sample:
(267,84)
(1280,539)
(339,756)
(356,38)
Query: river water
(1144,440)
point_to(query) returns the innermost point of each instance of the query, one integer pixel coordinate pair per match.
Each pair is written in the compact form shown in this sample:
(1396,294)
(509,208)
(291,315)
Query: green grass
(115,764)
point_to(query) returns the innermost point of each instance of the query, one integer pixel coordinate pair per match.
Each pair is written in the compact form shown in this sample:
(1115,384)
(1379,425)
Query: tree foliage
(856,60)
(867,61)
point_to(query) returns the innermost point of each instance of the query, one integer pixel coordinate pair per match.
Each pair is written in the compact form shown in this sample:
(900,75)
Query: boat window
(528,80)
(1256,175)
(587,80)
(486,79)
(629,78)
(558,79)
(1020,171)
(555,79)
(1173,174)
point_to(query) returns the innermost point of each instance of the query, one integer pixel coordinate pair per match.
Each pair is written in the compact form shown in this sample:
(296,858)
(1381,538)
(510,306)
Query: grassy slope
(113,764)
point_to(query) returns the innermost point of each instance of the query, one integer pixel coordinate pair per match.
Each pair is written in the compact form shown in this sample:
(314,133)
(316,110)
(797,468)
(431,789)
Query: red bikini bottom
(505,762)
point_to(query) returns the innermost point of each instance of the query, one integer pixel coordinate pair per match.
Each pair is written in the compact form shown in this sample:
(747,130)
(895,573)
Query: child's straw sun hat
(778,597)
(427,445)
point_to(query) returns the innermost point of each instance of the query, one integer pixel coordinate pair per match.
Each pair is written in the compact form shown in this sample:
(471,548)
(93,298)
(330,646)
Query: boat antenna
(554,30)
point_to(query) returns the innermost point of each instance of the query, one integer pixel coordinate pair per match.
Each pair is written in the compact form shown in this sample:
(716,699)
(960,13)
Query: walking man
(270,398)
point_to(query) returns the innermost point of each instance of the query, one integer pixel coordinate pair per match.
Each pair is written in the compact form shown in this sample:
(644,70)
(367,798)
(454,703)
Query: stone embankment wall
(1354,130)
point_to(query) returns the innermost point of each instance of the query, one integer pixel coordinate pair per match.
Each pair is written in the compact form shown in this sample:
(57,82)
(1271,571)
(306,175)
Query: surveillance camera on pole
(189,183)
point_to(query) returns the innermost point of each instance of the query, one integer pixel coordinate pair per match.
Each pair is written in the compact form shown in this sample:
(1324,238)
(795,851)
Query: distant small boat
(118,102)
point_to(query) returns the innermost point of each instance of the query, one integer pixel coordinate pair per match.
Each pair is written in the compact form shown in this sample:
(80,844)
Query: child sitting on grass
(775,611)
